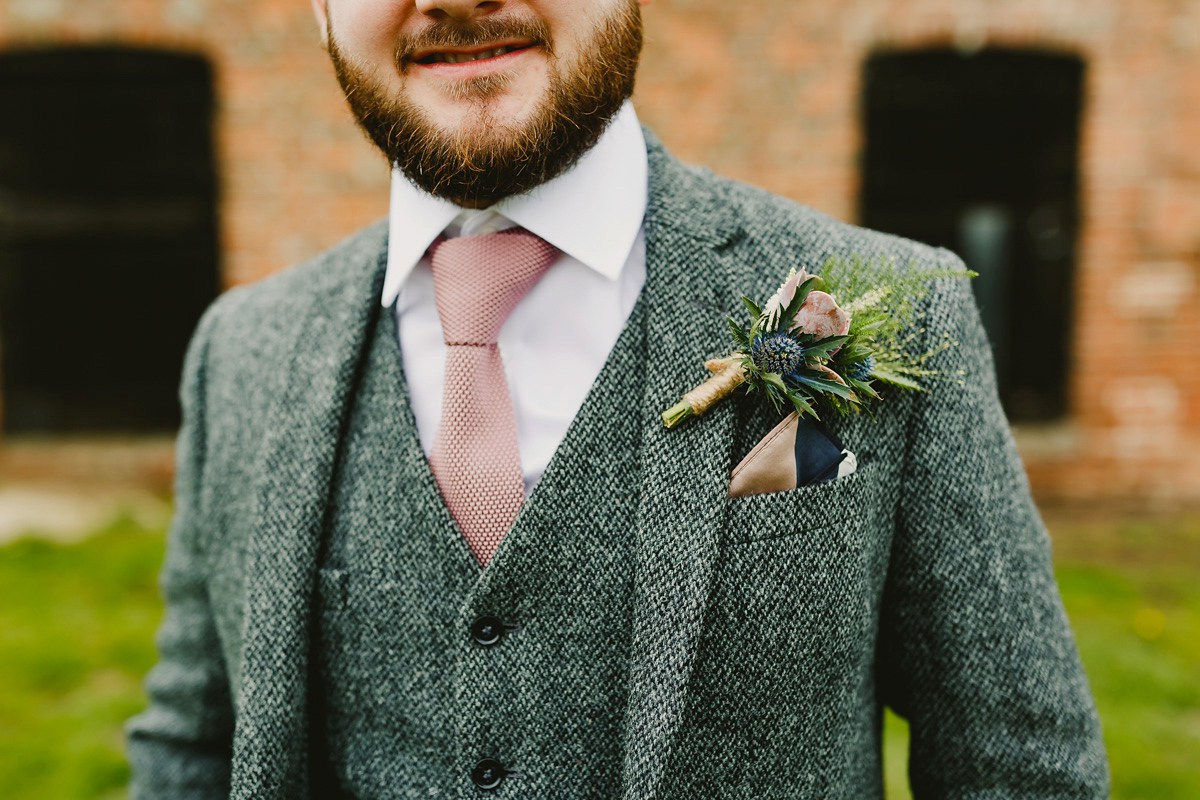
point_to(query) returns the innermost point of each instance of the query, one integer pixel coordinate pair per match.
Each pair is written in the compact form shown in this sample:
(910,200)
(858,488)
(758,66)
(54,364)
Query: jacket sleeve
(975,648)
(180,747)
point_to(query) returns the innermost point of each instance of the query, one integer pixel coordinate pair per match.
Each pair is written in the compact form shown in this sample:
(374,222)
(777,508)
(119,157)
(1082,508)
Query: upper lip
(432,51)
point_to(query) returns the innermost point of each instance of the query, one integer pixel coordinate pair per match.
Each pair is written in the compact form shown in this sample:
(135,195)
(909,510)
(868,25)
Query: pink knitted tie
(477,282)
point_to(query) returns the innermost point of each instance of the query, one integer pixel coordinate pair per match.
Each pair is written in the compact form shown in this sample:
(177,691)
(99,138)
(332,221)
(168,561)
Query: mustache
(455,34)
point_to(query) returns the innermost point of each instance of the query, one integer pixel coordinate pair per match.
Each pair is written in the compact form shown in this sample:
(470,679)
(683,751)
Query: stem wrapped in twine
(728,374)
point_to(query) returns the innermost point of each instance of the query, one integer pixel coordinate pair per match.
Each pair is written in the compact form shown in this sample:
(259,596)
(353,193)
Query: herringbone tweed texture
(766,632)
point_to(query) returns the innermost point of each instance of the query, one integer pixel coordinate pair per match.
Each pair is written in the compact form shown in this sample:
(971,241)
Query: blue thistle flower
(861,370)
(777,352)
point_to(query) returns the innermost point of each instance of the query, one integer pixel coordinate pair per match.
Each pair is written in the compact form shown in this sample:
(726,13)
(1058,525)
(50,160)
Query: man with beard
(432,539)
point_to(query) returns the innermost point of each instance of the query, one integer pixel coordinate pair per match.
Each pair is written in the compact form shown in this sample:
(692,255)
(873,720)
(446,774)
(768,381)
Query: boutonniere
(809,348)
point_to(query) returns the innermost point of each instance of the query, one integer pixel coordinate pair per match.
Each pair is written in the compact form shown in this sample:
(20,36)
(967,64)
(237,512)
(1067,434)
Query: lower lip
(473,69)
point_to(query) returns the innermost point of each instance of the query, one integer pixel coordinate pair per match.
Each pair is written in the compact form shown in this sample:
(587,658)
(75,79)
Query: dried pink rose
(820,316)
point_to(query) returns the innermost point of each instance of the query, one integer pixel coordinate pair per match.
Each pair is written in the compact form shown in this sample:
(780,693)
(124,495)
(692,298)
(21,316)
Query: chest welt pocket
(852,500)
(793,609)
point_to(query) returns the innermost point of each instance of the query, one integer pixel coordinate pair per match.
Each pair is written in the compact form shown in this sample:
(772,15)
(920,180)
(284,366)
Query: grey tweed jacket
(768,631)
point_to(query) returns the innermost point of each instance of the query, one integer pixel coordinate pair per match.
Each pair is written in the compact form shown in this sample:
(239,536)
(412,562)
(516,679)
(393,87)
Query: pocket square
(797,452)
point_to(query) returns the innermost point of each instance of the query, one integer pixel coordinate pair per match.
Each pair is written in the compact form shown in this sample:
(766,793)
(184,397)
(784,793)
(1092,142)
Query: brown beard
(475,170)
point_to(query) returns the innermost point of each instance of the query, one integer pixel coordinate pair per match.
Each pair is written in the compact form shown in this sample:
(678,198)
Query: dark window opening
(980,153)
(108,234)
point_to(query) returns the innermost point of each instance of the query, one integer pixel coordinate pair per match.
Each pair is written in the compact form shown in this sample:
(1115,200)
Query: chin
(488,102)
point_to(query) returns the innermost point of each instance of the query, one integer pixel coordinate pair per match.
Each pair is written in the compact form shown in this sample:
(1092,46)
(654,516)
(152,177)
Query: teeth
(459,58)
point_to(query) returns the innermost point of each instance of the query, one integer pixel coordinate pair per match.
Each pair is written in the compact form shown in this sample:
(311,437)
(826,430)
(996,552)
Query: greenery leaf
(755,311)
(822,348)
(863,387)
(823,385)
(774,379)
(896,379)
(739,335)
(802,406)
(853,353)
(774,396)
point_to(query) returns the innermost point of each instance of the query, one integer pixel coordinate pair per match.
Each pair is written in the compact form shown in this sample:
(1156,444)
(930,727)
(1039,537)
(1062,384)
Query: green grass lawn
(76,626)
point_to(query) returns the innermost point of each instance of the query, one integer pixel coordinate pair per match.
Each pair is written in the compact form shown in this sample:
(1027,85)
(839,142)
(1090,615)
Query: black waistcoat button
(487,630)
(488,773)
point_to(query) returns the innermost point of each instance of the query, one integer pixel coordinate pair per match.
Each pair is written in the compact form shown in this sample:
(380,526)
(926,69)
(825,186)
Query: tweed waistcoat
(407,702)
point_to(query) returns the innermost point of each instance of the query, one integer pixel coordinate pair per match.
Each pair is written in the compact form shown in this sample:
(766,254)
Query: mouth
(462,56)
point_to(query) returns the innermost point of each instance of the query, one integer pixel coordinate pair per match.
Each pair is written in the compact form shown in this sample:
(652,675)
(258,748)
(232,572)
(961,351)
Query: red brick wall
(768,92)
(296,175)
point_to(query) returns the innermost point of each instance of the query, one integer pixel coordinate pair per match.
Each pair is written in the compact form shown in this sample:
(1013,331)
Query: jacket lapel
(326,340)
(690,282)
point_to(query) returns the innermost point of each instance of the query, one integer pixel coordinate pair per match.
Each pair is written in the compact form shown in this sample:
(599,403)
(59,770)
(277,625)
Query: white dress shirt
(560,334)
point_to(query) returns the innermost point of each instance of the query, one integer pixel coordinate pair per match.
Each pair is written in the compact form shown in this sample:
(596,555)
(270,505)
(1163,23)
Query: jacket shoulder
(774,231)
(260,313)
(765,235)
(782,224)
(243,352)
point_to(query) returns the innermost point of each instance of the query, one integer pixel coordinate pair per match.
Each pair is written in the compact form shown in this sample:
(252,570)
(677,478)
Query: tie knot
(478,281)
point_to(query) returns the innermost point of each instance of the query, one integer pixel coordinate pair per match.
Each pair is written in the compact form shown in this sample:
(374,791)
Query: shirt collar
(592,212)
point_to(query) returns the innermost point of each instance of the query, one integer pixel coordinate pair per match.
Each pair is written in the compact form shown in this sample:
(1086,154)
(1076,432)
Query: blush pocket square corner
(797,452)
